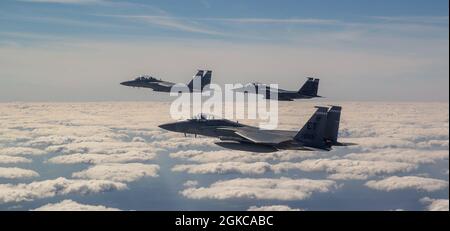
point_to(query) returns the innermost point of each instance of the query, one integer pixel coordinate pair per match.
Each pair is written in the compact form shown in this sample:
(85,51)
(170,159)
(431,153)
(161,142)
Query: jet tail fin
(197,79)
(332,128)
(199,73)
(206,80)
(310,87)
(313,132)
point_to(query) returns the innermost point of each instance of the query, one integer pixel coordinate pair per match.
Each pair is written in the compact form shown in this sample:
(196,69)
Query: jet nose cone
(126,83)
(168,127)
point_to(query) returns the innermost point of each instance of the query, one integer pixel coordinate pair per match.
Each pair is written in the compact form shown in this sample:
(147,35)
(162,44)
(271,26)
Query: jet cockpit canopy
(203,116)
(144,78)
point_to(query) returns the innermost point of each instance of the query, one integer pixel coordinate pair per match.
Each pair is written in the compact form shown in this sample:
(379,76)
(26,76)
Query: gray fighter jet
(307,91)
(319,133)
(164,86)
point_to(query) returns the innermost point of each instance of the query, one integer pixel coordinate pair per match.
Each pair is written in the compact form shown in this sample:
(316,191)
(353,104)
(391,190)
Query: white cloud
(15,173)
(263,189)
(8,135)
(103,147)
(239,156)
(402,155)
(190,183)
(408,182)
(70,205)
(222,168)
(87,158)
(435,204)
(348,176)
(22,151)
(382,142)
(84,132)
(56,187)
(13,159)
(138,139)
(339,169)
(273,208)
(50,140)
(347,169)
(119,172)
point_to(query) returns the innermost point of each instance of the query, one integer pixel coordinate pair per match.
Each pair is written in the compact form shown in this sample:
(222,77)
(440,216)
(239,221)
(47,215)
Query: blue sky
(79,17)
(354,46)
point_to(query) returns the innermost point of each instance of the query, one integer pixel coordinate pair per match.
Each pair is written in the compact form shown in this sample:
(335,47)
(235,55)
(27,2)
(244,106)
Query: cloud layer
(119,172)
(273,208)
(263,189)
(51,188)
(13,159)
(13,173)
(408,182)
(70,205)
(435,204)
(106,147)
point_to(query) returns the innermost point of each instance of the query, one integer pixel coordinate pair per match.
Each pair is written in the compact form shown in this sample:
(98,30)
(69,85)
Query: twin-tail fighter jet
(319,133)
(146,81)
(307,91)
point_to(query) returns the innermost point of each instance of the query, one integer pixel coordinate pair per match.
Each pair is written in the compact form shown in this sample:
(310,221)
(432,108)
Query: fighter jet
(147,81)
(319,133)
(307,91)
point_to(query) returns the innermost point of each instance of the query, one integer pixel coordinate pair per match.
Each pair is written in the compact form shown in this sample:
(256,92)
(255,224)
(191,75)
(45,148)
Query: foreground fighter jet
(307,91)
(319,133)
(164,86)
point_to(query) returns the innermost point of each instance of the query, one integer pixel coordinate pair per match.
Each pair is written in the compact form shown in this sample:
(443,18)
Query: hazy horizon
(169,100)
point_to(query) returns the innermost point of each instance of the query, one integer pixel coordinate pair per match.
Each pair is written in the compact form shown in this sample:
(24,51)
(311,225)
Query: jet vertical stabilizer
(313,132)
(206,80)
(197,80)
(332,128)
(310,88)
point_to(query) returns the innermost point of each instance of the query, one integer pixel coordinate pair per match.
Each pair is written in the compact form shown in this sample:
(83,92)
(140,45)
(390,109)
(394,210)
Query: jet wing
(258,136)
(280,90)
(284,98)
(280,96)
(164,84)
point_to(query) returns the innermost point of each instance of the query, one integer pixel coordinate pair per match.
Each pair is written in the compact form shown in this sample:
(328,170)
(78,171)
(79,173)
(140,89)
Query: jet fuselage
(218,128)
(155,84)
